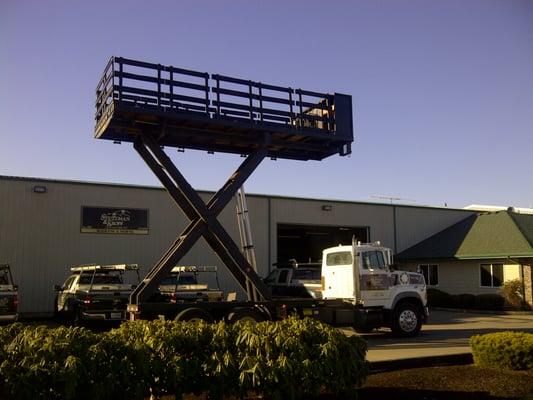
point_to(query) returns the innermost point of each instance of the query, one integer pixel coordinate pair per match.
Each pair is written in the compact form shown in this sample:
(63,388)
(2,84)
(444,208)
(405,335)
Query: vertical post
(218,95)
(251,100)
(301,108)
(171,87)
(290,105)
(260,100)
(120,68)
(159,85)
(206,77)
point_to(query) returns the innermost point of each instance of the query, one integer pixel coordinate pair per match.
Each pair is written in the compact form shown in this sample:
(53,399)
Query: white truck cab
(361,274)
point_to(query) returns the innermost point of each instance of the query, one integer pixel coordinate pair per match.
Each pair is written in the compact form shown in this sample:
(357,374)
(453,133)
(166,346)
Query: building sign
(114,220)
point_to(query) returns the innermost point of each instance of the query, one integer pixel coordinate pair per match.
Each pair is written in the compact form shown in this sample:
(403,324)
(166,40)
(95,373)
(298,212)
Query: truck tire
(406,320)
(194,315)
(245,314)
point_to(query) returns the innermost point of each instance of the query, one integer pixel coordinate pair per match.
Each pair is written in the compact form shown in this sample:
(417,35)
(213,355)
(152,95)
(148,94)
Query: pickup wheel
(407,320)
(249,315)
(194,315)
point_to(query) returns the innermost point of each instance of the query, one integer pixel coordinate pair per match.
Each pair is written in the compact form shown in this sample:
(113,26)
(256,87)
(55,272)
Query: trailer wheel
(194,315)
(407,320)
(244,314)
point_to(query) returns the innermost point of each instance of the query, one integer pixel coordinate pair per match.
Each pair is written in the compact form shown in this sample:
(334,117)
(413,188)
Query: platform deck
(195,110)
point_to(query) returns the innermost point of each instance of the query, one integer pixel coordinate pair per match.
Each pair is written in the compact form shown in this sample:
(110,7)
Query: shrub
(489,302)
(463,300)
(299,358)
(287,359)
(47,363)
(512,293)
(504,350)
(438,298)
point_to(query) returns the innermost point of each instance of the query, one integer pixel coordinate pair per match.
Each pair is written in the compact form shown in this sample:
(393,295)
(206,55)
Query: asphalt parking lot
(446,333)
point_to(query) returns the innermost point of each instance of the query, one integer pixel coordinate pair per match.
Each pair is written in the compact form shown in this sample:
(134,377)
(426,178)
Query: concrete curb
(420,362)
(469,311)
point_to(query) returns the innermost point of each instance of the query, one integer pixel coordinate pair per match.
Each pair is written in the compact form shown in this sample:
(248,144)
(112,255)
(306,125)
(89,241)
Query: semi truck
(358,286)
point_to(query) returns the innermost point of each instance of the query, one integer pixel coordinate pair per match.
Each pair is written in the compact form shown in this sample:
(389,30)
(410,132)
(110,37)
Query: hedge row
(281,360)
(505,350)
(438,298)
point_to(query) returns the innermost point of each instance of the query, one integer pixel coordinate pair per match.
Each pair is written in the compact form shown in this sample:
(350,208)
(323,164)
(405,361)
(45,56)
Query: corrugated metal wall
(40,232)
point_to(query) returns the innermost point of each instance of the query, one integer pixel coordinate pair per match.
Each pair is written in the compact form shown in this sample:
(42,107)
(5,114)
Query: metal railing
(170,89)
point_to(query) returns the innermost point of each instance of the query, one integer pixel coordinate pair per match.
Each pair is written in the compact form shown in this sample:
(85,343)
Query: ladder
(245,233)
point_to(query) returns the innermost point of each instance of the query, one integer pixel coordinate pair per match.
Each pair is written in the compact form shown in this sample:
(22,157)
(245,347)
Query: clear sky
(442,91)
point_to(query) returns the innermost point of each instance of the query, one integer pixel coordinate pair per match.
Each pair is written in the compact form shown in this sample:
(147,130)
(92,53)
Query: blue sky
(442,91)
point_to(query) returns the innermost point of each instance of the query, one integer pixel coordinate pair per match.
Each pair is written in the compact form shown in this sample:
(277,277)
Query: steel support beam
(203,219)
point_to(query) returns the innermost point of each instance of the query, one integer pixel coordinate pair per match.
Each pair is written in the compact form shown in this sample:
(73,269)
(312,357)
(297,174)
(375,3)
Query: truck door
(64,294)
(374,277)
(338,275)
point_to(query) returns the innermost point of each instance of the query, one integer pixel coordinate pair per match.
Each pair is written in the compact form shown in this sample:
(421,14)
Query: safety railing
(170,89)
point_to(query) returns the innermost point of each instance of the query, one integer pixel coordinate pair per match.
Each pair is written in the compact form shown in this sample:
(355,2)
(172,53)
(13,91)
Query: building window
(431,273)
(491,275)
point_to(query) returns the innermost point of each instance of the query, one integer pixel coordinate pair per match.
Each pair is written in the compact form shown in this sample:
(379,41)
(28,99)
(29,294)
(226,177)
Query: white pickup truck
(96,293)
(8,295)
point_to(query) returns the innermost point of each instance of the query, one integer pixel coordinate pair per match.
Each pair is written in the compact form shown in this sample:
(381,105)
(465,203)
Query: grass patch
(465,382)
(453,382)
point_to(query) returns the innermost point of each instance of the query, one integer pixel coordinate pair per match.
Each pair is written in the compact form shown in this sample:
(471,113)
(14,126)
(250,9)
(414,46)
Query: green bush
(298,359)
(489,302)
(288,359)
(512,293)
(438,298)
(463,300)
(47,363)
(504,350)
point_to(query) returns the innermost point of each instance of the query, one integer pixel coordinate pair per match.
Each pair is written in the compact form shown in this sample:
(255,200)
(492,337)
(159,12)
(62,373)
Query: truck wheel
(194,315)
(406,320)
(246,315)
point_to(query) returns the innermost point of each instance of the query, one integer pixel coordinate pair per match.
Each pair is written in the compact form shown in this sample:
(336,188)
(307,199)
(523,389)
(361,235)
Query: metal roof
(502,234)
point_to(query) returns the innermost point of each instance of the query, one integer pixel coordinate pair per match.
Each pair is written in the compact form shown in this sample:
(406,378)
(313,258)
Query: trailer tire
(250,315)
(406,320)
(194,315)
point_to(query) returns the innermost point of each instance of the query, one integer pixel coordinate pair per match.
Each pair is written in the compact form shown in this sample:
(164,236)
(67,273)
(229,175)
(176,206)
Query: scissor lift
(154,106)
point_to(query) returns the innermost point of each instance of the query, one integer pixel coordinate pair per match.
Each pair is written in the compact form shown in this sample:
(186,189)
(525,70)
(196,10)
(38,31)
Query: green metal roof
(499,234)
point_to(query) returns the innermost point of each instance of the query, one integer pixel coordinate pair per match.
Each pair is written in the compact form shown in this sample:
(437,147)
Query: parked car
(8,295)
(96,292)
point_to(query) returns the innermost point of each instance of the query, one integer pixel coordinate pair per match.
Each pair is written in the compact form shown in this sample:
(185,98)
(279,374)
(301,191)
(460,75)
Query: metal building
(46,226)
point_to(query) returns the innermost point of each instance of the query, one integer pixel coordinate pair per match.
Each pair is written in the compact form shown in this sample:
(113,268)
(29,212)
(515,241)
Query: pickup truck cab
(8,295)
(182,285)
(295,280)
(96,292)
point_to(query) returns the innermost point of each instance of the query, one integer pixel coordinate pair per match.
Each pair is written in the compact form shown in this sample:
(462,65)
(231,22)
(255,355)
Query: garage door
(305,243)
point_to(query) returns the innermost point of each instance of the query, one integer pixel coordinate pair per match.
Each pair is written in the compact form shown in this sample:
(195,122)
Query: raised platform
(194,110)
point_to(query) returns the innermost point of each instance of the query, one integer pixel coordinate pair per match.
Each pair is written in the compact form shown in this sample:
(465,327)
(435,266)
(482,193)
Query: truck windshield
(180,280)
(101,279)
(306,274)
(339,258)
